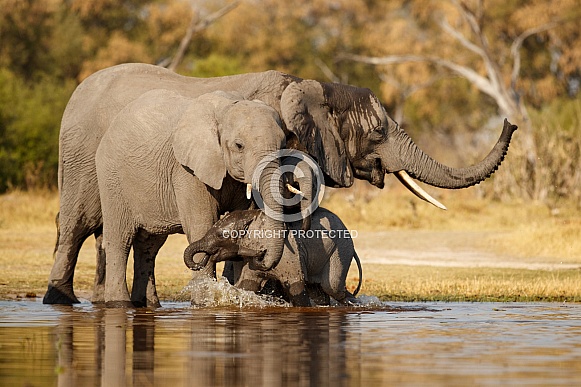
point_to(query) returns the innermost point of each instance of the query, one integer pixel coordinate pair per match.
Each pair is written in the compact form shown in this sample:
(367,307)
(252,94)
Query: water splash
(205,291)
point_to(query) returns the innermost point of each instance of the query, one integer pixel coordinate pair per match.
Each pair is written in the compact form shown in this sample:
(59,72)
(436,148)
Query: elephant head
(349,133)
(232,136)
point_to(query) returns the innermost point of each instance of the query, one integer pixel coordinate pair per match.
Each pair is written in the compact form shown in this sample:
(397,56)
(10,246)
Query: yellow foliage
(167,23)
(119,49)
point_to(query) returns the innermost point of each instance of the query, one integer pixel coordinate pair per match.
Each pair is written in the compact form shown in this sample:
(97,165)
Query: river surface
(374,344)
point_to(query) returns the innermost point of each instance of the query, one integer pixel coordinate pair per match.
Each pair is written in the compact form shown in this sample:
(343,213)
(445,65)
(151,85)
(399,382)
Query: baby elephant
(313,262)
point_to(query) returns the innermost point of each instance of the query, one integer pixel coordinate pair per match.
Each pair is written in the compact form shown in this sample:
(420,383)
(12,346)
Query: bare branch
(469,16)
(327,71)
(196,26)
(473,20)
(461,38)
(482,83)
(517,44)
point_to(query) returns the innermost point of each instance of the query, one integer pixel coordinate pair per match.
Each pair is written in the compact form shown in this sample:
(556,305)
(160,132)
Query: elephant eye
(239,145)
(377,134)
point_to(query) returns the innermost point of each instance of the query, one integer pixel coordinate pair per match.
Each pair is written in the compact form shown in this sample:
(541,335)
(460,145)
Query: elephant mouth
(372,172)
(375,174)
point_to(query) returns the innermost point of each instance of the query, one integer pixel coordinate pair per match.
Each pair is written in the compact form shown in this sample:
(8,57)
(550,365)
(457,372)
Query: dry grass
(427,283)
(27,239)
(27,236)
(517,228)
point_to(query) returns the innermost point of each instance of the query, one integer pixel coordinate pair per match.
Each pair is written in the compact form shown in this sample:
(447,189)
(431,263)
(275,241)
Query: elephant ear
(306,113)
(196,144)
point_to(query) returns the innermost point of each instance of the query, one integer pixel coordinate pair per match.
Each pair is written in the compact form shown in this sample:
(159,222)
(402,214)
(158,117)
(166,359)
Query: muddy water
(376,344)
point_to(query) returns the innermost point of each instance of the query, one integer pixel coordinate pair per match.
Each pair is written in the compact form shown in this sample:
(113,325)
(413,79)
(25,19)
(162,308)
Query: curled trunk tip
(427,170)
(190,251)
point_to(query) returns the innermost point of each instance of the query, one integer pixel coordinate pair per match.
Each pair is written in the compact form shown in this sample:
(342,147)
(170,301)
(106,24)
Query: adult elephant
(344,128)
(170,163)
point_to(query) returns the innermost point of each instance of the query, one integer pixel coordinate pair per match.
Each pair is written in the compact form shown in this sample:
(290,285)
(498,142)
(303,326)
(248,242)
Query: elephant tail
(193,249)
(358,261)
(58,234)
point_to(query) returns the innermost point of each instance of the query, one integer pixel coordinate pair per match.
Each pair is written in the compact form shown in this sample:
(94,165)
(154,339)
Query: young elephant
(312,260)
(173,164)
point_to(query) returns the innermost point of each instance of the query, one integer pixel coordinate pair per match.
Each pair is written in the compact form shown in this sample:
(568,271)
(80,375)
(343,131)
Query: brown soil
(444,249)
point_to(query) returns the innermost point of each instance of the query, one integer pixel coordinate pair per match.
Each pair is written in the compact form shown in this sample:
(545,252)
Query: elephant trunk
(197,247)
(271,186)
(427,170)
(306,187)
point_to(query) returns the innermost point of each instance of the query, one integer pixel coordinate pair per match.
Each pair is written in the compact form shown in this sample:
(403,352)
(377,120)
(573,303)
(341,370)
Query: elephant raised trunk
(413,161)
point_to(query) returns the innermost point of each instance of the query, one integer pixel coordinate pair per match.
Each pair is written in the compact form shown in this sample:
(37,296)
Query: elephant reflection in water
(108,361)
(204,348)
(271,349)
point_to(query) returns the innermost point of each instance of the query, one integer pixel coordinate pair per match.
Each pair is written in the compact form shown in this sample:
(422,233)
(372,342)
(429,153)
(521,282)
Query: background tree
(483,44)
(447,70)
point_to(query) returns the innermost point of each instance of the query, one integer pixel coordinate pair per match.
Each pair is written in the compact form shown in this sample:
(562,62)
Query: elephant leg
(145,249)
(290,271)
(71,235)
(230,273)
(249,280)
(99,285)
(318,295)
(297,293)
(233,271)
(117,240)
(333,280)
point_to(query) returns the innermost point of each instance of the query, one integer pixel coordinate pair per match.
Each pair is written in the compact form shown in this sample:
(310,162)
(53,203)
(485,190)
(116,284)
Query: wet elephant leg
(118,235)
(297,293)
(317,295)
(291,272)
(248,279)
(71,236)
(333,283)
(229,272)
(145,249)
(79,216)
(99,285)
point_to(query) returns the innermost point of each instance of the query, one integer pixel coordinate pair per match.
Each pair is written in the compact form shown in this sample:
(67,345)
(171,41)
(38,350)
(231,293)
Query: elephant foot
(98,294)
(349,300)
(63,295)
(298,294)
(318,295)
(119,304)
(146,304)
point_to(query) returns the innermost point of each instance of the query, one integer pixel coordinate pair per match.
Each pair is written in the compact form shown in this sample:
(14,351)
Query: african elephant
(171,163)
(318,258)
(344,128)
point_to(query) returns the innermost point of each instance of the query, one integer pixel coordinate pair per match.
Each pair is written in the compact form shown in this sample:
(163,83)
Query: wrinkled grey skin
(315,260)
(170,164)
(302,178)
(344,128)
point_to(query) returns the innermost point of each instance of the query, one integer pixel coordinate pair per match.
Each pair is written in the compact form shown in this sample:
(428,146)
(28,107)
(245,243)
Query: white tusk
(294,190)
(406,180)
(248,191)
